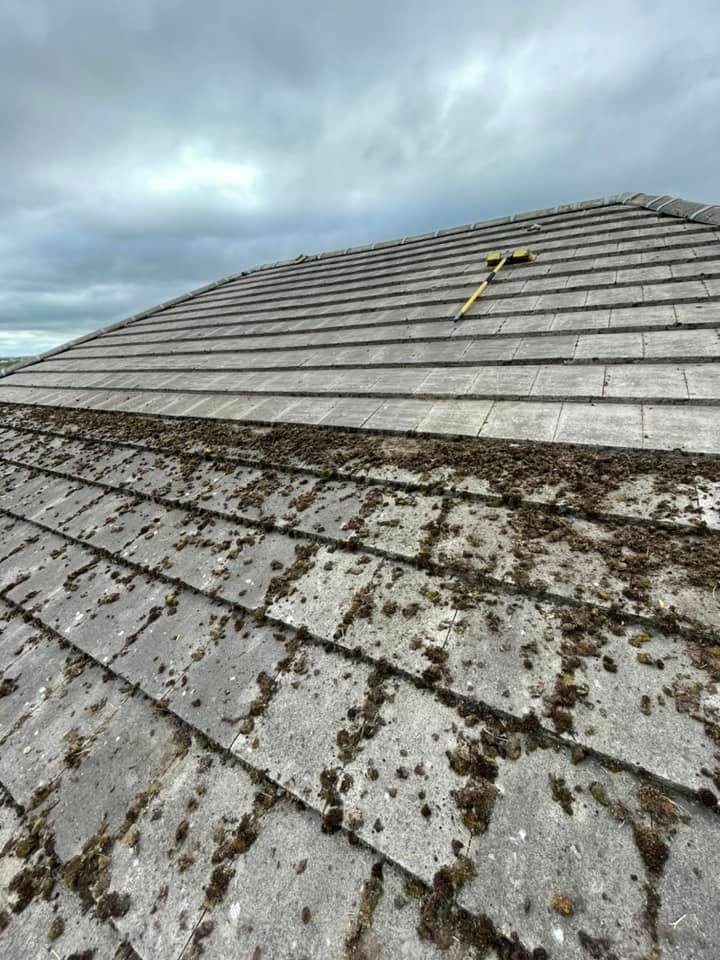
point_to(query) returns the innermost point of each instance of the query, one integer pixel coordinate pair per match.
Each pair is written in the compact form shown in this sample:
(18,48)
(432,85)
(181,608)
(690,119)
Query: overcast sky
(149,146)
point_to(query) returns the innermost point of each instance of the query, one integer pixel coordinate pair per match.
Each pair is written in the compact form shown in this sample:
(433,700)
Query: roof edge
(118,324)
(676,207)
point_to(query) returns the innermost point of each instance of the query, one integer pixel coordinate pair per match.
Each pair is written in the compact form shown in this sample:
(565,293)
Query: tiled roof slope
(292,693)
(275,691)
(610,337)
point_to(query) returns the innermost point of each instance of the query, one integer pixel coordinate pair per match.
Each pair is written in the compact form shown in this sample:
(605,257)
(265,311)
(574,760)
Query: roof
(609,337)
(270,690)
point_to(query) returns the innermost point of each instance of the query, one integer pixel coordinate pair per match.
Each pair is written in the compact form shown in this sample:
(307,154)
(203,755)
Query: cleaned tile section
(619,425)
(522,421)
(364,339)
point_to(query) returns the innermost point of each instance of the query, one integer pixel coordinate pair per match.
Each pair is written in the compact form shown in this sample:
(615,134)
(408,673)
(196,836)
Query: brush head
(521,256)
(517,256)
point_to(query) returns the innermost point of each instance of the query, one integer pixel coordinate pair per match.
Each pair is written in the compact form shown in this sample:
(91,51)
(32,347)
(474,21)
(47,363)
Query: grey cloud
(152,146)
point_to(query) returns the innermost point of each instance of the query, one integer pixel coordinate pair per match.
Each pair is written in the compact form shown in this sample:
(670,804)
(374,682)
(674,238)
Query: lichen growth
(563,905)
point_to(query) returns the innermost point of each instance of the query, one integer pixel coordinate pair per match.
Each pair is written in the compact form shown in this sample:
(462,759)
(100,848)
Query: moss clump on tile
(332,820)
(653,849)
(560,793)
(76,749)
(26,845)
(438,671)
(563,905)
(468,760)
(599,793)
(371,893)
(230,846)
(113,904)
(33,881)
(181,831)
(7,686)
(281,585)
(330,783)
(366,719)
(476,804)
(88,873)
(217,887)
(444,923)
(361,607)
(441,921)
(655,802)
(415,889)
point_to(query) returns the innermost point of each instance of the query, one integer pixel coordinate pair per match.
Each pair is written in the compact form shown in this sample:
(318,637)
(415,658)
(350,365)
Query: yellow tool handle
(468,303)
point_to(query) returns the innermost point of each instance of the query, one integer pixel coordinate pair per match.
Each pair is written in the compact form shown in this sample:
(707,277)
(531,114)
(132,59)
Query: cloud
(153,146)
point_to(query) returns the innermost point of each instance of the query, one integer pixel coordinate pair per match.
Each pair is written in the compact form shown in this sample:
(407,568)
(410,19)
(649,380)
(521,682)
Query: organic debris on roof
(274,690)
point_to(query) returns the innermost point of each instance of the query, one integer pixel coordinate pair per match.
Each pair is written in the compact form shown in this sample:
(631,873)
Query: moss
(371,893)
(75,750)
(414,888)
(239,841)
(599,793)
(435,530)
(707,798)
(438,671)
(303,500)
(230,846)
(653,849)
(281,585)
(181,831)
(468,760)
(112,904)
(7,686)
(332,820)
(476,804)
(562,721)
(31,882)
(217,887)
(563,905)
(652,800)
(57,928)
(444,923)
(586,476)
(89,870)
(41,793)
(596,948)
(560,793)
(27,845)
(366,718)
(361,607)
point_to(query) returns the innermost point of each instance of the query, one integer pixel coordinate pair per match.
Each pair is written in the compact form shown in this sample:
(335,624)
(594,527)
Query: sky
(148,147)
